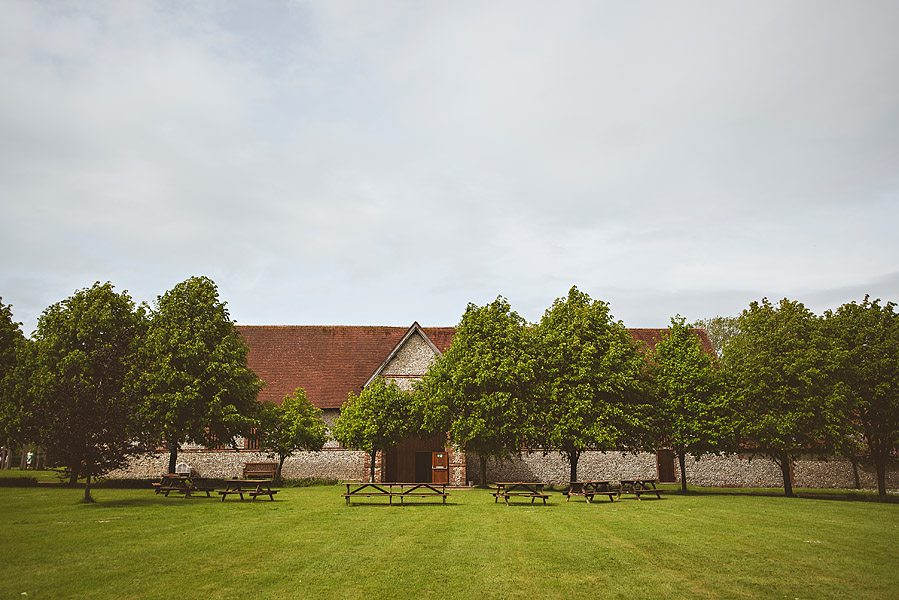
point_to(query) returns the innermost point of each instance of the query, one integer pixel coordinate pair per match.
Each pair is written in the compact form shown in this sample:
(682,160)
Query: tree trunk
(87,490)
(682,459)
(371,477)
(74,472)
(880,465)
(783,461)
(281,459)
(482,464)
(858,482)
(173,456)
(573,457)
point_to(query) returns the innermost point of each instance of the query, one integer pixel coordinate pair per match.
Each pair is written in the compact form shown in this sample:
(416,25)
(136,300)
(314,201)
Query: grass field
(309,544)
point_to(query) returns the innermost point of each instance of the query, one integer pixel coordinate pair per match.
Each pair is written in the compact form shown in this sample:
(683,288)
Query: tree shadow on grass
(151,501)
(847,496)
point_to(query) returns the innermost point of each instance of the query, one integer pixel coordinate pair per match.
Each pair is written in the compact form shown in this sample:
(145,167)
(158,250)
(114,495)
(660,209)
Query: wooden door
(666,466)
(439,467)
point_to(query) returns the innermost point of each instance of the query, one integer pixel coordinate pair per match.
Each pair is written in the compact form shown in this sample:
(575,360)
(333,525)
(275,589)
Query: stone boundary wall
(327,464)
(714,471)
(554,469)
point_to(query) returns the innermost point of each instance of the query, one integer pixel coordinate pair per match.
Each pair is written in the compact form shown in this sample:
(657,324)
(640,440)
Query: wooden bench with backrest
(260,470)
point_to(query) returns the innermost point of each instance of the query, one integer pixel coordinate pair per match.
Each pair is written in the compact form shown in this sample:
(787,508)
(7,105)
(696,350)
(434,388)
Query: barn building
(329,362)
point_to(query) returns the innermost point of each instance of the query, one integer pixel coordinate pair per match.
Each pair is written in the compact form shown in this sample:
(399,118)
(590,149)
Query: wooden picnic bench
(419,490)
(532,490)
(253,488)
(358,489)
(590,489)
(181,483)
(638,487)
(366,490)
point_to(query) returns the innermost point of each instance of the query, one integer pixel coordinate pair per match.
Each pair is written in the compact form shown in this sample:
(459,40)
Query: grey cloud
(355,163)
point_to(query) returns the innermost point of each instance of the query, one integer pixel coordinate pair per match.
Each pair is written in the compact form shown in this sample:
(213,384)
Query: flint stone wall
(553,468)
(713,471)
(327,464)
(410,362)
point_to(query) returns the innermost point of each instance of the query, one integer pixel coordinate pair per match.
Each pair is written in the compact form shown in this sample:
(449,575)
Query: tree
(13,380)
(866,352)
(777,380)
(477,391)
(195,376)
(688,413)
(86,415)
(720,330)
(294,425)
(379,418)
(588,378)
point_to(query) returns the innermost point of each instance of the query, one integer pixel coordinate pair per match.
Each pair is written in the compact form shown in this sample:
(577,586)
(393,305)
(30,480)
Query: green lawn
(309,544)
(46,475)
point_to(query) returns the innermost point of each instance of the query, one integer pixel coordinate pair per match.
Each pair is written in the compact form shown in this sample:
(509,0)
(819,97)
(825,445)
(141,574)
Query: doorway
(422,467)
(665,460)
(412,461)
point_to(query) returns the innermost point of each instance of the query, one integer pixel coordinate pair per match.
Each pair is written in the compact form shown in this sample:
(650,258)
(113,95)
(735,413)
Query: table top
(362,485)
(250,481)
(519,483)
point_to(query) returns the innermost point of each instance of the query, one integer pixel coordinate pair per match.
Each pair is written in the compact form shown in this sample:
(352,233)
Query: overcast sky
(379,163)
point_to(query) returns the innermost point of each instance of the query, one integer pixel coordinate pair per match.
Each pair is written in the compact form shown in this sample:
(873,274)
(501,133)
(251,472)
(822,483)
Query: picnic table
(357,489)
(638,487)
(589,489)
(532,490)
(181,483)
(419,490)
(251,487)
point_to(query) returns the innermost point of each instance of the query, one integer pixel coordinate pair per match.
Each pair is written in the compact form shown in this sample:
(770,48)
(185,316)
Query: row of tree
(786,383)
(103,379)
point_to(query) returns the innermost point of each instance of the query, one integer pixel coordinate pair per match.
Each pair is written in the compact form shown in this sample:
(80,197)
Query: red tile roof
(651,337)
(328,362)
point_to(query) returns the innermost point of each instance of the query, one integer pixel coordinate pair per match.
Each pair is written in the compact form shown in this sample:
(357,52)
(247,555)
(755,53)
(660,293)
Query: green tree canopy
(777,384)
(195,376)
(13,379)
(478,389)
(865,341)
(294,425)
(379,418)
(87,416)
(688,409)
(589,369)
(721,330)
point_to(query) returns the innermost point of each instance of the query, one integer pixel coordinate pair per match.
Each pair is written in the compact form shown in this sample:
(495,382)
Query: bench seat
(656,492)
(590,495)
(420,495)
(506,495)
(251,493)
